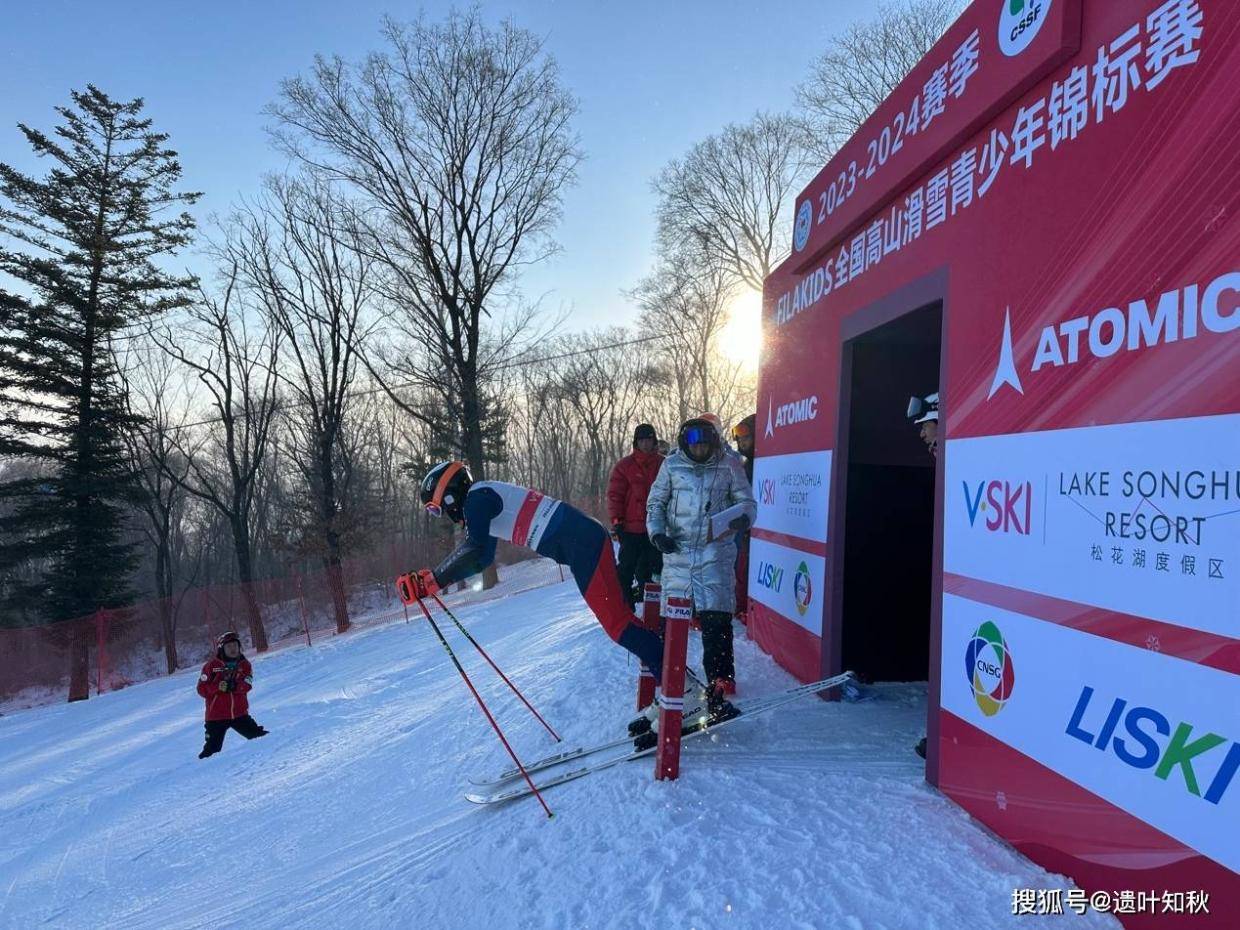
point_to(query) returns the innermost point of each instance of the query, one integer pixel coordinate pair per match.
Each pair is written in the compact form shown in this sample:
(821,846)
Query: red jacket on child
(232,703)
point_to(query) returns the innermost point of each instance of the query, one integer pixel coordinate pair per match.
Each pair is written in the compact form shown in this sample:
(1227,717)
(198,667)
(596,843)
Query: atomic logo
(988,666)
(802,590)
(805,218)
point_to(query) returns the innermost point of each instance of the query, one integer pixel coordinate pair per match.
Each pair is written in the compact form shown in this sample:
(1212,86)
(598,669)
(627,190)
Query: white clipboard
(719,521)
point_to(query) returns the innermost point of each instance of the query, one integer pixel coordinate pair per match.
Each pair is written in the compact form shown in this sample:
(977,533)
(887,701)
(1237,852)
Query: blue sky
(652,78)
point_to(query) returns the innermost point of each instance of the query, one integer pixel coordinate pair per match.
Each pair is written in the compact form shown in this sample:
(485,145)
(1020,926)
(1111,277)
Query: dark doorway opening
(889,500)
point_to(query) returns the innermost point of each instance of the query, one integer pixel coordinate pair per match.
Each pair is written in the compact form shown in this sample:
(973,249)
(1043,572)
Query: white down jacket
(681,501)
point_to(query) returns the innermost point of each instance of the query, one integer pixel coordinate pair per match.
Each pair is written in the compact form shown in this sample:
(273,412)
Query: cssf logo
(766,491)
(798,411)
(1178,315)
(1008,507)
(1020,21)
(989,669)
(1148,742)
(770,577)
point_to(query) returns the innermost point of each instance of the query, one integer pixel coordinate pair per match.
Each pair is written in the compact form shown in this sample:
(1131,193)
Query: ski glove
(616,529)
(416,586)
(740,524)
(664,543)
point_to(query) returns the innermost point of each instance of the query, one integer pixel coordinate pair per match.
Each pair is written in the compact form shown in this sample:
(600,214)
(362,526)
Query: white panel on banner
(1142,518)
(788,581)
(792,492)
(1153,734)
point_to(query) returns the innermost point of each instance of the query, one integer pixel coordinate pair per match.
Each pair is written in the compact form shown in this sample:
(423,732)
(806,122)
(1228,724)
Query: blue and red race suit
(497,510)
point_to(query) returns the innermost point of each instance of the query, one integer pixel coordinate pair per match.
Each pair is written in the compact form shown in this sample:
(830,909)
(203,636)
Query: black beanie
(644,431)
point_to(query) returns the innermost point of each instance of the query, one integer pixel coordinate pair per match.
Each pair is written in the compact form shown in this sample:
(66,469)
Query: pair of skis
(748,708)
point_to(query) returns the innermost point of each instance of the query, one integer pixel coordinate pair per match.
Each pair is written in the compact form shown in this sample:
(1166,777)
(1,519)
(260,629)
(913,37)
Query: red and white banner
(1073,203)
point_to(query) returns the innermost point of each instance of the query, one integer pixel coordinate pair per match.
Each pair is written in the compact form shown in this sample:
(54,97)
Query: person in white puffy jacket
(697,480)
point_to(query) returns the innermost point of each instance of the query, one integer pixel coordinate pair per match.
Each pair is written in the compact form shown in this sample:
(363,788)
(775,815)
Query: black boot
(718,707)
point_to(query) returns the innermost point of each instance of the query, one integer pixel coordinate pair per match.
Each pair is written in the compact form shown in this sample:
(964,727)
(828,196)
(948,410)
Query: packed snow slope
(351,814)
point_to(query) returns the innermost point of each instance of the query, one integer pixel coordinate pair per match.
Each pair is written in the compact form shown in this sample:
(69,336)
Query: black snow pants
(246,726)
(717,657)
(639,561)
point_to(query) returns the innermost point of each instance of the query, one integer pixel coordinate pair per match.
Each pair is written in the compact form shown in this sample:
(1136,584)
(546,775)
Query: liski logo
(770,577)
(988,667)
(802,590)
(1149,740)
(805,218)
(1019,24)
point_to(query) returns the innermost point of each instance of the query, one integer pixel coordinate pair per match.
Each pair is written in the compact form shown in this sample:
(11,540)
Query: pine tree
(86,238)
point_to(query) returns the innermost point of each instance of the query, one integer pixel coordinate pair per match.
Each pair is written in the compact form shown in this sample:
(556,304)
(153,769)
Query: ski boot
(718,707)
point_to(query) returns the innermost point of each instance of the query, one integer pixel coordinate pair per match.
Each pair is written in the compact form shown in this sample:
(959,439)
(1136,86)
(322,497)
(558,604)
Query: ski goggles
(742,431)
(435,505)
(696,435)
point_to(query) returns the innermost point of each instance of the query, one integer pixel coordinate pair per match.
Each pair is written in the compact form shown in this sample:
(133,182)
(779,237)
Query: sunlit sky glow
(652,78)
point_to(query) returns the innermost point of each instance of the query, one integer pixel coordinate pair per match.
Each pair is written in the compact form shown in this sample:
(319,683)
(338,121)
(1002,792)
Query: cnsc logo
(988,667)
(1020,21)
(770,577)
(1008,506)
(802,589)
(805,219)
(1148,742)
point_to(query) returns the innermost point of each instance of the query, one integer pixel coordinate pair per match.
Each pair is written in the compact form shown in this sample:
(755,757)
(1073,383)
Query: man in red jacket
(626,508)
(224,683)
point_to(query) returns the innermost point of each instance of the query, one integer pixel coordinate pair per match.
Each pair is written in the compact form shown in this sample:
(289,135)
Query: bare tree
(604,386)
(862,66)
(686,300)
(237,369)
(299,256)
(152,401)
(730,197)
(458,138)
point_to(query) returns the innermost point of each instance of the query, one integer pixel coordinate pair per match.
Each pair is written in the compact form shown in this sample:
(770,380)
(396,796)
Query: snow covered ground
(351,813)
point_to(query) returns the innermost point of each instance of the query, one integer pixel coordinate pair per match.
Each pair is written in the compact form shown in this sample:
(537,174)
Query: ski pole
(515,690)
(481,703)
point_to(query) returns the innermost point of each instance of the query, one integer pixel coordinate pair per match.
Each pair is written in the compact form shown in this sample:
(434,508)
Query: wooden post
(649,620)
(676,618)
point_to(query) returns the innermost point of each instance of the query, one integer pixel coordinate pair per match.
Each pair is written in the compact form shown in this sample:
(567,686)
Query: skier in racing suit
(491,510)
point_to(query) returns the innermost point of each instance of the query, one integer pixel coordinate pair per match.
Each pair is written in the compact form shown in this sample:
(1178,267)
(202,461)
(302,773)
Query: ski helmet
(229,637)
(444,489)
(697,431)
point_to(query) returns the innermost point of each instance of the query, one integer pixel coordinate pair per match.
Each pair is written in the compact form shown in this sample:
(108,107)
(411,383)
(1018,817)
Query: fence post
(672,697)
(100,620)
(305,618)
(649,620)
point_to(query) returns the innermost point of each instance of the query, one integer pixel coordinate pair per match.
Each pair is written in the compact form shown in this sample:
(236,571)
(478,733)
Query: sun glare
(741,338)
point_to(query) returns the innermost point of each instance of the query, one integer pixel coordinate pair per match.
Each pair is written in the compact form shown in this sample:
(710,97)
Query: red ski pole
(481,703)
(515,690)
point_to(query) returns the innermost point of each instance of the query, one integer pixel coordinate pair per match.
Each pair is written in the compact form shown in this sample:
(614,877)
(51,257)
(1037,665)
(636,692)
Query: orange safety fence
(112,648)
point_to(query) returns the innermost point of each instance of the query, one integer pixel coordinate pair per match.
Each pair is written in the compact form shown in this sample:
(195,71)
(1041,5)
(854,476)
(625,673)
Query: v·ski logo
(1008,506)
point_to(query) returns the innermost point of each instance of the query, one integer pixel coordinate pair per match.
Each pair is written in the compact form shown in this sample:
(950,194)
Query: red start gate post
(676,618)
(649,620)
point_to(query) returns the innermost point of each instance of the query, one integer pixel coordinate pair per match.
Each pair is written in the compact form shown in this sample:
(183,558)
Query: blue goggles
(699,434)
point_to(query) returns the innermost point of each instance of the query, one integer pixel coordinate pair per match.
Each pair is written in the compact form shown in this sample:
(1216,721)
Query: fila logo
(1176,316)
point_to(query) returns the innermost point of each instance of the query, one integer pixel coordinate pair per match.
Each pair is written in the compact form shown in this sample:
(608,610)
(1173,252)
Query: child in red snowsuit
(224,683)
